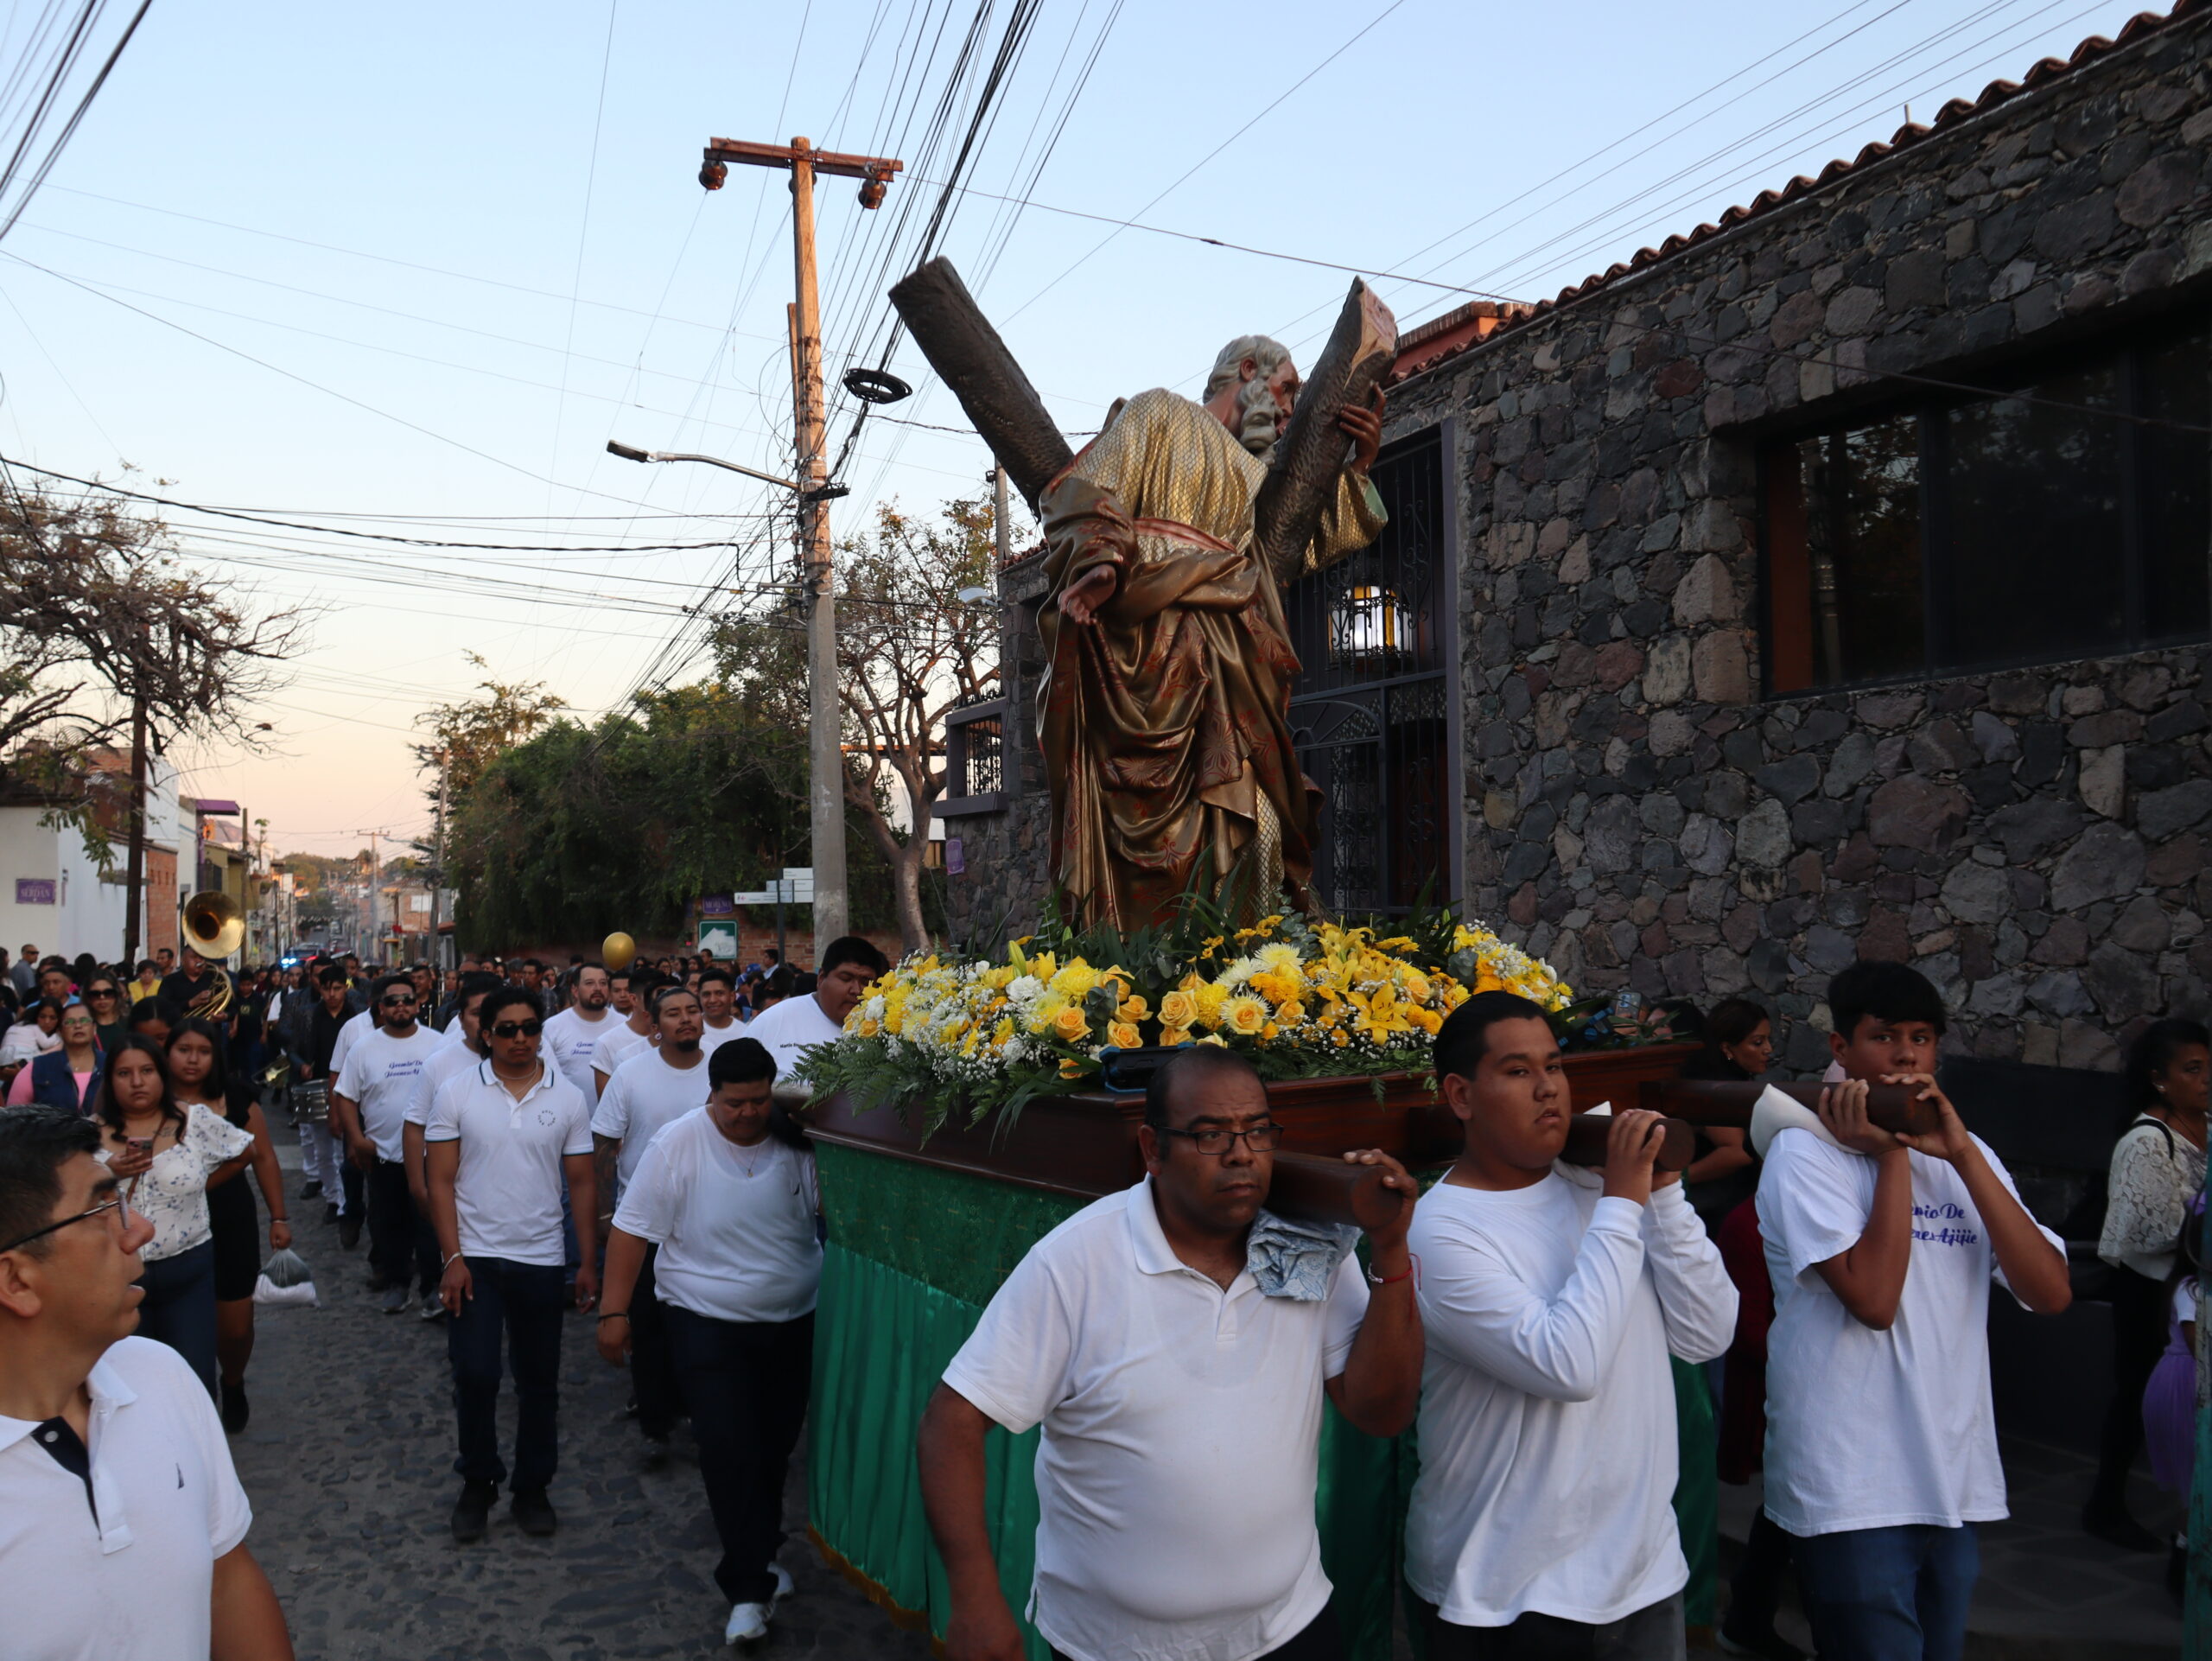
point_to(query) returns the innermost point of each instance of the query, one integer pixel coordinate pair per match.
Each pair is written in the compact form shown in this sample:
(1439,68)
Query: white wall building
(51,893)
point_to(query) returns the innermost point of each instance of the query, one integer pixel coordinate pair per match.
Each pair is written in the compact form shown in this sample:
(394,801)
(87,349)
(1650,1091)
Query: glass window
(2036,567)
(2071,517)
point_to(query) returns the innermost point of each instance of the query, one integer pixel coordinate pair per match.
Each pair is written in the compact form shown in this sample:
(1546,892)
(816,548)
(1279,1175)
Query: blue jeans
(524,1302)
(178,1307)
(1888,1594)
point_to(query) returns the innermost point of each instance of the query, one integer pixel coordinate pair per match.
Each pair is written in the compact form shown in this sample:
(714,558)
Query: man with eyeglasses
(368,1105)
(505,1142)
(1175,1342)
(121,1522)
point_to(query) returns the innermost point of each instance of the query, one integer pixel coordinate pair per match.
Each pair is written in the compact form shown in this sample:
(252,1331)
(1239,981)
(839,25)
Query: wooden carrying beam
(1308,1189)
(969,357)
(1891,1107)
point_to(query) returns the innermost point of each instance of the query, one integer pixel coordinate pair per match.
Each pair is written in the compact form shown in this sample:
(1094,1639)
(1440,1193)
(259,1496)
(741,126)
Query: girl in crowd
(104,996)
(67,1076)
(165,1153)
(2157,1167)
(199,1079)
(38,1032)
(1738,1046)
(2169,1399)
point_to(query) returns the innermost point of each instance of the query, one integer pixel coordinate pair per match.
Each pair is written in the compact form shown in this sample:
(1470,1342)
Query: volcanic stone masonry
(1637,809)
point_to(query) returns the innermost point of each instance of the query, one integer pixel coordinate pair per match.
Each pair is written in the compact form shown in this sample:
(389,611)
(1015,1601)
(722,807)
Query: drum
(311,1101)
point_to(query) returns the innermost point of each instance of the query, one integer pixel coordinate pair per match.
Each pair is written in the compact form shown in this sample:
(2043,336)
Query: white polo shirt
(791,1029)
(451,1059)
(507,1192)
(379,1076)
(735,1225)
(133,1584)
(645,1094)
(572,1042)
(1175,1478)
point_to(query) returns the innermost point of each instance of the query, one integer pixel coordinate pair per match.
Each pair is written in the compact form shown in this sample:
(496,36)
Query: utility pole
(826,785)
(438,866)
(1002,531)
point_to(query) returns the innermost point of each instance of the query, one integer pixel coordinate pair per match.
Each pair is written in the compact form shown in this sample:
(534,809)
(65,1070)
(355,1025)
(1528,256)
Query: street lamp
(826,492)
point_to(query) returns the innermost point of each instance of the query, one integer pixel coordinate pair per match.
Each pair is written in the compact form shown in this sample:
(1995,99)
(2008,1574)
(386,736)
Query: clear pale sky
(434,212)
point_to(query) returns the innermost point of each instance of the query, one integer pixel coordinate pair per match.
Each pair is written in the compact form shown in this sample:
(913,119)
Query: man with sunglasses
(1175,1342)
(368,1106)
(505,1141)
(121,1522)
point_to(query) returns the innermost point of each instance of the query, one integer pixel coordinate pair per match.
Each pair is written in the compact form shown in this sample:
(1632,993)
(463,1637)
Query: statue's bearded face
(1263,405)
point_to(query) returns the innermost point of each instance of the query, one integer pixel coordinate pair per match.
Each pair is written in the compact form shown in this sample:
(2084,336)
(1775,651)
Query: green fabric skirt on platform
(915,1253)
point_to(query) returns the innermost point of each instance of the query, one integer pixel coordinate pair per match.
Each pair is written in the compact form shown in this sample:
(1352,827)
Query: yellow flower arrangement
(1303,1000)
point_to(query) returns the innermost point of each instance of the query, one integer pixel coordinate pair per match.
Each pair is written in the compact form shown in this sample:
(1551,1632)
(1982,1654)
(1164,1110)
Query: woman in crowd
(2157,1167)
(165,1153)
(104,995)
(66,1077)
(199,1079)
(1739,1046)
(38,1033)
(2169,1399)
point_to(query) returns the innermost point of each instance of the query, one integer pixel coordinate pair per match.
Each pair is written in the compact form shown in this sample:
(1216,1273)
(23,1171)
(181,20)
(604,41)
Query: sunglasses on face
(517,1028)
(399,1003)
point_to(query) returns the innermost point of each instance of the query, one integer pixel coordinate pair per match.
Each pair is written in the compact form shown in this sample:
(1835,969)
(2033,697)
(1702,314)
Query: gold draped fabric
(1166,722)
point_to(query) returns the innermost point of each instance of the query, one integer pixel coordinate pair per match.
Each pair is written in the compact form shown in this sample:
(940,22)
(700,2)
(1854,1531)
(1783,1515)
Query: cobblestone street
(348,1462)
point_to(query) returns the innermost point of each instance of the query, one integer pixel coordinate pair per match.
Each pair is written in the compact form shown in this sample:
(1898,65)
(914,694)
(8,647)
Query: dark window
(974,754)
(2068,517)
(1370,711)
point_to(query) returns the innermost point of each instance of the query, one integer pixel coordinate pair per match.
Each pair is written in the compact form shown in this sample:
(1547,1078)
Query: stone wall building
(1829,581)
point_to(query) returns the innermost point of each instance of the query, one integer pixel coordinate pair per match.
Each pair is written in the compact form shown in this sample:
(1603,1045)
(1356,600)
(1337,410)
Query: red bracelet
(1413,1270)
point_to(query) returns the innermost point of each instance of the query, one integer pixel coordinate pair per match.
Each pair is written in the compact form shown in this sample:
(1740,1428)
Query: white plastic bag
(287,1279)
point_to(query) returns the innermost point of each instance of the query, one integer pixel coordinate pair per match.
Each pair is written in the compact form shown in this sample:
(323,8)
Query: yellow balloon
(617,951)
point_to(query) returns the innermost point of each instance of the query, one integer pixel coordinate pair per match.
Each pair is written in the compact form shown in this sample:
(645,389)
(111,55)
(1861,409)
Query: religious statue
(1165,708)
(1168,666)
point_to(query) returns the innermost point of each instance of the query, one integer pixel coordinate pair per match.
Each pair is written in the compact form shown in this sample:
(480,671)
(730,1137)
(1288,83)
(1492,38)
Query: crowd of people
(517,1142)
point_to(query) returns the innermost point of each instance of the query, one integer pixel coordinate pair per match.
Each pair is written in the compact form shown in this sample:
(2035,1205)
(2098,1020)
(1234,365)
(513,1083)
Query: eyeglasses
(517,1028)
(118,1206)
(397,1003)
(1260,1139)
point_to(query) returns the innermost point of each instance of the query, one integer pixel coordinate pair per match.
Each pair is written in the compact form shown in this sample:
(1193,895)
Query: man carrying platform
(1175,1342)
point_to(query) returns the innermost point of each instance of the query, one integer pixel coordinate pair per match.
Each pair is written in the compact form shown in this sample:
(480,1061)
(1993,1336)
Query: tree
(909,651)
(471,734)
(105,634)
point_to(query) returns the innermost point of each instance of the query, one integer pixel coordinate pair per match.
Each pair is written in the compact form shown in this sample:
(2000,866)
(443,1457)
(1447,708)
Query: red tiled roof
(1434,342)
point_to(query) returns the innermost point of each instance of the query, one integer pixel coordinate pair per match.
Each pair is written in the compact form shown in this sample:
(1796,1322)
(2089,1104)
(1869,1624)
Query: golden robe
(1166,722)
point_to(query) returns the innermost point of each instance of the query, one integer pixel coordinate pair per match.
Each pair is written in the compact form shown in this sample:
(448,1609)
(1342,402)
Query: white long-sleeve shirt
(1548,1450)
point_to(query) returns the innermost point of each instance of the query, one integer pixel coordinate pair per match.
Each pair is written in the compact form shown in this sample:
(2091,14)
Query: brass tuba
(214,927)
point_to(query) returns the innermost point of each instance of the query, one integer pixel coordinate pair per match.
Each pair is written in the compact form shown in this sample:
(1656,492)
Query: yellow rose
(1071,1069)
(1215,1039)
(1069,1024)
(1178,1008)
(869,1029)
(1171,1036)
(1244,1015)
(1124,1034)
(1291,1013)
(1134,1008)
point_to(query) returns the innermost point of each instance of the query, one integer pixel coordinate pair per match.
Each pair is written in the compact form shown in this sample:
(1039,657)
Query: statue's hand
(1364,427)
(1092,590)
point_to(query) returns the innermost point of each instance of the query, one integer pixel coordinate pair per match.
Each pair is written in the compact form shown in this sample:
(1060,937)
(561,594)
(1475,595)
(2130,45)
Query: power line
(370,536)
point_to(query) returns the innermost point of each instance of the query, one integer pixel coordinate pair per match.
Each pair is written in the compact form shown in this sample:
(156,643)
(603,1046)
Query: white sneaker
(747,1622)
(783,1586)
